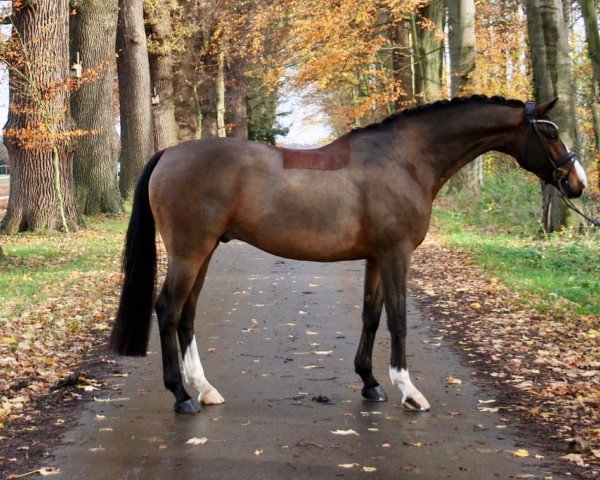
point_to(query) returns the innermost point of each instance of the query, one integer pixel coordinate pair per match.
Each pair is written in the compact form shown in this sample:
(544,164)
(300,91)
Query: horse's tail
(131,331)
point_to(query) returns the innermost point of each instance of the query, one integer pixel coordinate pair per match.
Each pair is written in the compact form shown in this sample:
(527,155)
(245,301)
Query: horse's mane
(441,105)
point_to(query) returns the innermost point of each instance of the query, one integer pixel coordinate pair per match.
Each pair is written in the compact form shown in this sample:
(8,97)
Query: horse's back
(241,189)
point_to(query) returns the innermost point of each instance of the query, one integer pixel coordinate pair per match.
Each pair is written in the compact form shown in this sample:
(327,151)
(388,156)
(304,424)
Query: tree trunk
(134,93)
(93,33)
(461,39)
(399,36)
(237,111)
(590,18)
(161,75)
(41,189)
(221,96)
(428,52)
(186,96)
(207,96)
(552,78)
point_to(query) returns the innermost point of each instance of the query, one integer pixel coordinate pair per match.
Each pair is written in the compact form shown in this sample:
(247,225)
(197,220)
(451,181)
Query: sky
(306,123)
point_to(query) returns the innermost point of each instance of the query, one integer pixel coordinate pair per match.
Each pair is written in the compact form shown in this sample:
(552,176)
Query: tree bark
(590,18)
(161,75)
(428,52)
(137,140)
(399,37)
(41,189)
(221,96)
(461,39)
(237,101)
(552,78)
(93,31)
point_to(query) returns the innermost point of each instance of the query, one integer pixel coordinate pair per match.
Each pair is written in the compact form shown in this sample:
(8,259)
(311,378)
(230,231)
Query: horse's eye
(553,136)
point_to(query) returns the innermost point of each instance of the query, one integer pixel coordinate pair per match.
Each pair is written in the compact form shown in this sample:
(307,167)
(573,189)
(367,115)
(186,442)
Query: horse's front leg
(394,272)
(372,306)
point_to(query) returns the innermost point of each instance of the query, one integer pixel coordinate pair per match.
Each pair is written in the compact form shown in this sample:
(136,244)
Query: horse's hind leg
(372,306)
(192,366)
(181,275)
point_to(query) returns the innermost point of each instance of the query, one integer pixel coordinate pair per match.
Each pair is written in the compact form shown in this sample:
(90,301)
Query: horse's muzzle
(569,190)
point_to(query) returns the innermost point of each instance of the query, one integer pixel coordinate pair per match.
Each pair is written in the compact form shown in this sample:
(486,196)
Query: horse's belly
(303,244)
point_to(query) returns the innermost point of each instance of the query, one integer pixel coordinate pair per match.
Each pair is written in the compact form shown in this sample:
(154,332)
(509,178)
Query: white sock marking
(413,398)
(193,371)
(580,173)
(401,379)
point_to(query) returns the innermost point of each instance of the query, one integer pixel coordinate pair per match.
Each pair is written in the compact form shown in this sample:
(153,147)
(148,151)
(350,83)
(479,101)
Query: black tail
(131,332)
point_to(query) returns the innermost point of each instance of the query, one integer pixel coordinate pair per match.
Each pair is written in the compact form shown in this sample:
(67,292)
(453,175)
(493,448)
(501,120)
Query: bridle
(558,172)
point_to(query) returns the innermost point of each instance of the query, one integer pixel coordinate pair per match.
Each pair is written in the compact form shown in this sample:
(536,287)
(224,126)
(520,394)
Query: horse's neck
(460,138)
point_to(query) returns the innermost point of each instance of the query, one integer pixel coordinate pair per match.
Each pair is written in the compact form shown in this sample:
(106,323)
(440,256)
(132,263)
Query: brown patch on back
(334,156)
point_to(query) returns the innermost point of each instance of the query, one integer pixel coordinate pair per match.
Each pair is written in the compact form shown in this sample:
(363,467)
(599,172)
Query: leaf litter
(544,365)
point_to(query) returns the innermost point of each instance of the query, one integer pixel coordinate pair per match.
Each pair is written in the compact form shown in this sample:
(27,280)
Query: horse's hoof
(212,397)
(188,407)
(374,394)
(416,403)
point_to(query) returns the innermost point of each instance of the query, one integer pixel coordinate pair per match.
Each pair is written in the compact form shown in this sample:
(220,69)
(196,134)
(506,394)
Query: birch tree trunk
(552,78)
(93,33)
(221,96)
(590,18)
(461,39)
(137,142)
(41,188)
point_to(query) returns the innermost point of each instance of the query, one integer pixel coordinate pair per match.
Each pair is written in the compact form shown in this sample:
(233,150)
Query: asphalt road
(264,328)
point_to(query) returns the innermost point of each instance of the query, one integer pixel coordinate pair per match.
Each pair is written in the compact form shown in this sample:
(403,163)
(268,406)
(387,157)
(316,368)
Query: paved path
(264,317)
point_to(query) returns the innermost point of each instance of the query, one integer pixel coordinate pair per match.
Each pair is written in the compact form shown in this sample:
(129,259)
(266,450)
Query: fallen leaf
(486,401)
(107,400)
(347,465)
(258,452)
(369,469)
(575,458)
(344,432)
(521,452)
(453,381)
(197,441)
(488,409)
(309,332)
(49,471)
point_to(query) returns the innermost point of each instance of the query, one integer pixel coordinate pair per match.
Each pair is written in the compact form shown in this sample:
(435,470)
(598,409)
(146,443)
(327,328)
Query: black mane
(440,105)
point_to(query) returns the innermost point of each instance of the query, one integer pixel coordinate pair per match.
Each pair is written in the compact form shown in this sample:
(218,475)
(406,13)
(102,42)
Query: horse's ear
(546,107)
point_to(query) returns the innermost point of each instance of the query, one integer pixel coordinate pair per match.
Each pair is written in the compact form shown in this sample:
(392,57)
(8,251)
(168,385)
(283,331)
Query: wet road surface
(273,334)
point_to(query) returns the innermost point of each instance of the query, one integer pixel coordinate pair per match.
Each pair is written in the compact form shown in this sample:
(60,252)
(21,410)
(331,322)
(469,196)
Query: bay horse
(366,195)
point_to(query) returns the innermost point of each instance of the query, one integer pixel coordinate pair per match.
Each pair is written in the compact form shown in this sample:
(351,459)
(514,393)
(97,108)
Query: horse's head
(546,155)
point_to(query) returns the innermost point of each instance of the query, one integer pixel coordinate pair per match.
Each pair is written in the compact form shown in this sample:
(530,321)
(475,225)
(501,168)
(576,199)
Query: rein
(558,173)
